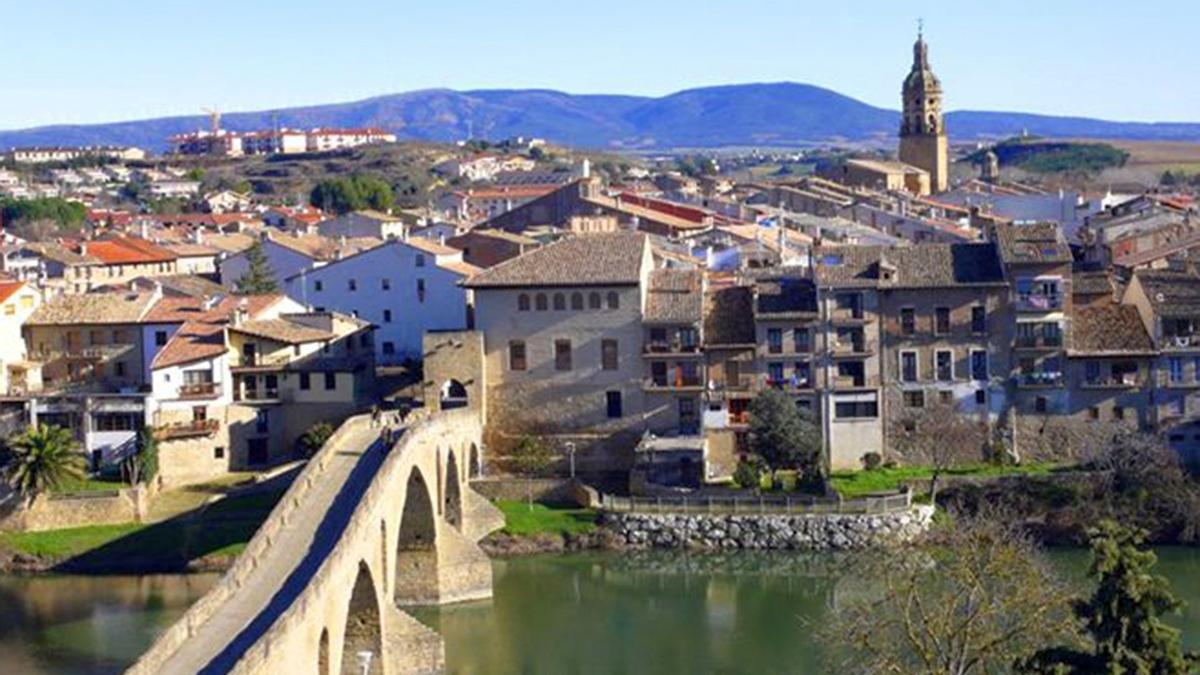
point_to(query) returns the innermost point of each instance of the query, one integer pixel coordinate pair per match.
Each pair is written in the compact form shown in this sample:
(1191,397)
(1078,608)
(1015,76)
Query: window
(941,320)
(775,374)
(946,397)
(387,316)
(516,355)
(305,381)
(608,354)
(352,284)
(385,284)
(593,300)
(562,354)
(160,337)
(420,290)
(330,381)
(614,302)
(774,341)
(612,400)
(420,261)
(801,342)
(1175,369)
(560,302)
(979,364)
(1195,368)
(855,409)
(801,374)
(318,286)
(577,300)
(523,302)
(261,421)
(914,399)
(1091,372)
(980,397)
(944,365)
(219,452)
(1094,413)
(389,347)
(908,366)
(1039,405)
(979,319)
(908,321)
(199,413)
(1118,412)
(540,302)
(120,369)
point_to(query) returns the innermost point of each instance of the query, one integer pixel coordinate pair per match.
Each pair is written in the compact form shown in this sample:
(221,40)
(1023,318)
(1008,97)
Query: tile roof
(210,310)
(729,316)
(785,297)
(181,284)
(431,246)
(1188,241)
(674,296)
(186,250)
(282,330)
(920,266)
(319,247)
(1171,294)
(601,259)
(1108,329)
(126,250)
(1091,283)
(1032,243)
(8,288)
(93,308)
(194,341)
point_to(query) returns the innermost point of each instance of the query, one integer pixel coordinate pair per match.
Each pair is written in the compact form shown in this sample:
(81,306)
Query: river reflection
(578,613)
(87,625)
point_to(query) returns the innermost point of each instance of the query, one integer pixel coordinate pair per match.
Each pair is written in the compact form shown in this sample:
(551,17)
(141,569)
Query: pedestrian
(375,416)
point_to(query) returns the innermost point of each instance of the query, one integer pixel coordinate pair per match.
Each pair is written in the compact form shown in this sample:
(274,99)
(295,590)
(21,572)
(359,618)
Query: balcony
(199,390)
(1039,380)
(1177,342)
(848,315)
(1037,302)
(1165,380)
(789,383)
(844,382)
(1116,381)
(192,429)
(260,361)
(1038,342)
(670,348)
(678,382)
(257,395)
(858,348)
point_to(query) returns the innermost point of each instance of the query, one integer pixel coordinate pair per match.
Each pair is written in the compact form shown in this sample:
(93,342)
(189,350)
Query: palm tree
(40,459)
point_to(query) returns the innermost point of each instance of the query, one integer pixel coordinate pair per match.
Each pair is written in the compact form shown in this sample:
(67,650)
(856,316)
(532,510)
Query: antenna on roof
(920,28)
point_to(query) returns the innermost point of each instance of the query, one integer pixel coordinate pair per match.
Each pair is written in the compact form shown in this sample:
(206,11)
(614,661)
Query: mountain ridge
(765,114)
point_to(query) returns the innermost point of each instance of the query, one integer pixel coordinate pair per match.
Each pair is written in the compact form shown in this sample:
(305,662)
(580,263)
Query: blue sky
(68,61)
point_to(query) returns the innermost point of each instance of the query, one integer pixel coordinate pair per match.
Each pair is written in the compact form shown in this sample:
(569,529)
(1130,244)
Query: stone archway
(476,469)
(453,394)
(452,510)
(364,629)
(416,578)
(323,653)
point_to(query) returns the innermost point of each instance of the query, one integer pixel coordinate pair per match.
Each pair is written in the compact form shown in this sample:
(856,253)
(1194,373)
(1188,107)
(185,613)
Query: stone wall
(118,507)
(801,532)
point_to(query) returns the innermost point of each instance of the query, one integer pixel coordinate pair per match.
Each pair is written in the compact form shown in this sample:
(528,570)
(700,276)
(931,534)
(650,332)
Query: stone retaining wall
(809,532)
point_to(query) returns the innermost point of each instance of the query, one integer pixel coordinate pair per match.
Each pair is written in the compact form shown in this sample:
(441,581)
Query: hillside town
(617,325)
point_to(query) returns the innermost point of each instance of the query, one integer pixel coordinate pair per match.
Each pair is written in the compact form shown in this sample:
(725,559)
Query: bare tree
(975,600)
(940,436)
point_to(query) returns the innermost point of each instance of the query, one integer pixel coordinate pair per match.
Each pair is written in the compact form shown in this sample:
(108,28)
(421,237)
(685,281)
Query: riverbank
(205,540)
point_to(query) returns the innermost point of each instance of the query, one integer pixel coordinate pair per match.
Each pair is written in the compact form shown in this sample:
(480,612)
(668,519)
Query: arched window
(613,301)
(539,301)
(593,300)
(560,301)
(523,303)
(577,300)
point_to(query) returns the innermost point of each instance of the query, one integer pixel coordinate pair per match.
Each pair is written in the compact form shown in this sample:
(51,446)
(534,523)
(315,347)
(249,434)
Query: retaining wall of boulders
(713,532)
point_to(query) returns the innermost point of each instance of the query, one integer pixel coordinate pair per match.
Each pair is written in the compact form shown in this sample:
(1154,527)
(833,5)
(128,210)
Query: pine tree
(258,279)
(1121,618)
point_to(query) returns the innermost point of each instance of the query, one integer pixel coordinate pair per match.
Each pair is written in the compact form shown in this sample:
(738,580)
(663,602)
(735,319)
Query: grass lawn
(90,485)
(220,530)
(519,519)
(858,483)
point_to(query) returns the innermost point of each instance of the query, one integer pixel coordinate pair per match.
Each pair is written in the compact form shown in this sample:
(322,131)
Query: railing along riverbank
(761,505)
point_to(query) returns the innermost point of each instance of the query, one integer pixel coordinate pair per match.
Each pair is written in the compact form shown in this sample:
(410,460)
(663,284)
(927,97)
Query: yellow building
(923,141)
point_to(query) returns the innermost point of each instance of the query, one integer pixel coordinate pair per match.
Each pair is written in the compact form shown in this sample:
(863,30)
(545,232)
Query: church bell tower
(922,132)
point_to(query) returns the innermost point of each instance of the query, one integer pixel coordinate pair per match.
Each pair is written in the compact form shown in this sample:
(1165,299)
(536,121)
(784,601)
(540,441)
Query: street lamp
(364,661)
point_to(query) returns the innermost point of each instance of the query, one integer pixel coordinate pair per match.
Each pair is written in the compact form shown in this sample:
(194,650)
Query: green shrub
(786,480)
(765,481)
(745,475)
(872,461)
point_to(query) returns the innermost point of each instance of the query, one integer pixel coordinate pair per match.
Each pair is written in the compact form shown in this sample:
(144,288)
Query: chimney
(145,230)
(240,313)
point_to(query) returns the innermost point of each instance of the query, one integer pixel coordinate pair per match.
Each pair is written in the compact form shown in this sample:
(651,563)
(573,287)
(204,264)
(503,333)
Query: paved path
(296,555)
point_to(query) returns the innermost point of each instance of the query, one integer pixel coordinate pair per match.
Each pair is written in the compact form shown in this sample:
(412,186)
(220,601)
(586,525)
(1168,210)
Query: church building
(923,141)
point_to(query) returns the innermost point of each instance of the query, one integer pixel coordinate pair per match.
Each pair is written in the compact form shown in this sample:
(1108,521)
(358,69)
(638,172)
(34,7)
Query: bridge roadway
(296,554)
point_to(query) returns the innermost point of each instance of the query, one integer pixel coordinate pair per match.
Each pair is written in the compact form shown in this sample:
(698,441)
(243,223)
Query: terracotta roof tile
(674,296)
(602,259)
(1108,329)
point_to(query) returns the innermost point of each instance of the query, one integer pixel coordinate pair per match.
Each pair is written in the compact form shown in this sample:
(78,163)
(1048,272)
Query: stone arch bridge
(371,524)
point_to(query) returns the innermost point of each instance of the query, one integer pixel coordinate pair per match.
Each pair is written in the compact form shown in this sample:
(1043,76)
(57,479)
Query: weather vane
(920,27)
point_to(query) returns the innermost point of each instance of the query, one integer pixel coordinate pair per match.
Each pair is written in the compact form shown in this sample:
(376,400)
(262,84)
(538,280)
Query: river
(573,613)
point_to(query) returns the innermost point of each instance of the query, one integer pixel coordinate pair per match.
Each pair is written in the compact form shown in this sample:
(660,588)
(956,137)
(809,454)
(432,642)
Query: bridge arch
(416,577)
(475,468)
(453,506)
(364,627)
